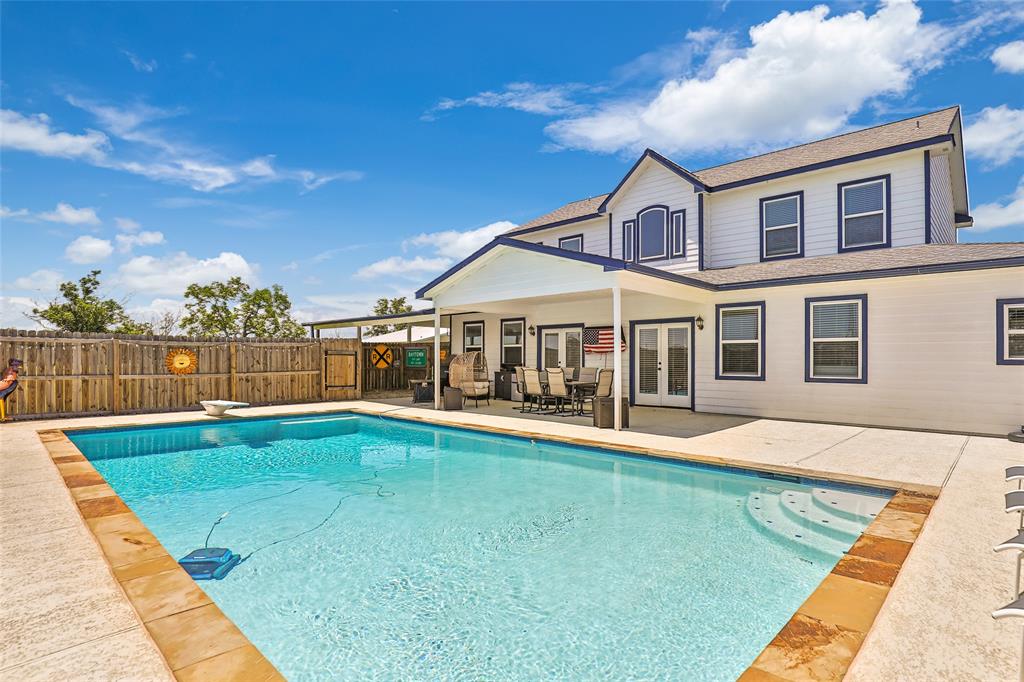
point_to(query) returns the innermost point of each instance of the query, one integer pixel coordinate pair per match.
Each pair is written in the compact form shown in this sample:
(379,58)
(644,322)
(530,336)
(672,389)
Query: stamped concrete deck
(67,615)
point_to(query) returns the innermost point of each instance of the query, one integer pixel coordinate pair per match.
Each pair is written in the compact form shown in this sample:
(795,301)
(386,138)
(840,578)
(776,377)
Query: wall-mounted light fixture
(700,322)
(532,330)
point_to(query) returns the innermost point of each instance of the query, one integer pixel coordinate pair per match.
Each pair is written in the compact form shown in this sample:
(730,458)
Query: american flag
(601,340)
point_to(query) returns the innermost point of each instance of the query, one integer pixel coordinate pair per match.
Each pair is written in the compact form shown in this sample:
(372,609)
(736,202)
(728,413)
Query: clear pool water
(384,550)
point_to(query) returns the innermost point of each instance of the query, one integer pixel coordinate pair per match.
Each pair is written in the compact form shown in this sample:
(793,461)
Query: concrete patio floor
(65,617)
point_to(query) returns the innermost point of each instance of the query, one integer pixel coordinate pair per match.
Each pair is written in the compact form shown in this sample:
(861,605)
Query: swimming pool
(388,550)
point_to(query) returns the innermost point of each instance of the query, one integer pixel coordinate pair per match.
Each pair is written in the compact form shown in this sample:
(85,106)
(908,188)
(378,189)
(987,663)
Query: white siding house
(822,282)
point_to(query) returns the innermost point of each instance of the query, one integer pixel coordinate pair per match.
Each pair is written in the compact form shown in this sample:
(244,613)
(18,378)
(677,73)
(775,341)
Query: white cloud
(13,312)
(12,213)
(127,242)
(140,64)
(397,266)
(88,249)
(803,76)
(69,215)
(996,135)
(126,224)
(33,133)
(547,100)
(1009,57)
(290,267)
(46,281)
(994,215)
(456,245)
(446,248)
(172,273)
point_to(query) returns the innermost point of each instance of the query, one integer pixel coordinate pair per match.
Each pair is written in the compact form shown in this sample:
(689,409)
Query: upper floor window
(628,233)
(573,243)
(652,233)
(782,226)
(678,223)
(513,342)
(836,339)
(1010,331)
(472,336)
(740,332)
(864,213)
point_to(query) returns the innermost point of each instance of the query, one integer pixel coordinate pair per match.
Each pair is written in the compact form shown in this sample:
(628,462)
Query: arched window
(652,233)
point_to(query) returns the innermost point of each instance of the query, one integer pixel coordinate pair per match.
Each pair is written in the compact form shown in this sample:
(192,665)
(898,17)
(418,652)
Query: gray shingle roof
(923,256)
(914,129)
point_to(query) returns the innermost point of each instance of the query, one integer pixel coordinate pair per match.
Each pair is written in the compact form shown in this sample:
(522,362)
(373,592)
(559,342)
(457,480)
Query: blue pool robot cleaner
(209,563)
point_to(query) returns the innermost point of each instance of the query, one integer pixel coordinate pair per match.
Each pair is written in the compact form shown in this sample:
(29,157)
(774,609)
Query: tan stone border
(818,643)
(194,636)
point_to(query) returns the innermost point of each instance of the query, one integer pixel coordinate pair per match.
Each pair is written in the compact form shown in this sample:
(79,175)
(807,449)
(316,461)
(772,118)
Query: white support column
(437,358)
(617,355)
(408,334)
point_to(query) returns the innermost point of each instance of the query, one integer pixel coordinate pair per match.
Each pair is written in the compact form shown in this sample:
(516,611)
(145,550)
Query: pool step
(851,506)
(768,515)
(799,506)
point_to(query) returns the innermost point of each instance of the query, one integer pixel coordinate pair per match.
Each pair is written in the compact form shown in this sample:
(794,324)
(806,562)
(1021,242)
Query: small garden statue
(8,384)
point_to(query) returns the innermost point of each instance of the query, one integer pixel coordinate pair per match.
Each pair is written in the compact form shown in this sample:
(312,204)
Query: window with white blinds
(1010,323)
(513,342)
(740,338)
(574,243)
(863,207)
(472,336)
(836,343)
(780,221)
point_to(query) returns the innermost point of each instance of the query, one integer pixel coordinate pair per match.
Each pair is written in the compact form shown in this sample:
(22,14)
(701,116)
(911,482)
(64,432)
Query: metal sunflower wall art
(181,361)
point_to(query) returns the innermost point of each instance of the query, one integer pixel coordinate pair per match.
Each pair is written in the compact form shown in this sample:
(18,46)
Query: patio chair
(602,390)
(587,374)
(521,383)
(558,392)
(533,390)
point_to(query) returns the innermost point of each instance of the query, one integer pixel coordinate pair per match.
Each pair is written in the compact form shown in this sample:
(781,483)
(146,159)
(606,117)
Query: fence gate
(341,369)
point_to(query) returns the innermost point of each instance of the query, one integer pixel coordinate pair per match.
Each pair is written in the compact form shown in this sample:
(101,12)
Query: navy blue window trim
(548,327)
(609,235)
(928,197)
(501,340)
(678,236)
(693,355)
(629,237)
(700,231)
(1001,332)
(483,329)
(799,227)
(562,240)
(760,339)
(863,378)
(887,213)
(665,237)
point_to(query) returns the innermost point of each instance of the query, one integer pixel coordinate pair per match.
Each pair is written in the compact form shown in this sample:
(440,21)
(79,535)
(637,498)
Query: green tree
(233,308)
(80,308)
(389,306)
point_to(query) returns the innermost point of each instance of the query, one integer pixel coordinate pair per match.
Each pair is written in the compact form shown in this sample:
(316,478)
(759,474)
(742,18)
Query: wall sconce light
(700,322)
(532,330)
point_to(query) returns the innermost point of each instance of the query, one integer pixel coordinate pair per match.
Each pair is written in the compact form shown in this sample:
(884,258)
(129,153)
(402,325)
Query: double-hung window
(782,226)
(628,235)
(677,219)
(472,336)
(573,243)
(740,341)
(864,214)
(513,342)
(652,233)
(1010,331)
(836,339)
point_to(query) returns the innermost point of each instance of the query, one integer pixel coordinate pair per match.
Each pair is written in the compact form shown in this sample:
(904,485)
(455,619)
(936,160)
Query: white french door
(663,364)
(562,348)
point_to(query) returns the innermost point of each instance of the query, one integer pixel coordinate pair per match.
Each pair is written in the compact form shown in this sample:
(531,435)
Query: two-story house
(819,282)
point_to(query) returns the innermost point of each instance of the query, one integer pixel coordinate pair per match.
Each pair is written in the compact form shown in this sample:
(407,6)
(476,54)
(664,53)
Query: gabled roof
(927,128)
(888,138)
(892,262)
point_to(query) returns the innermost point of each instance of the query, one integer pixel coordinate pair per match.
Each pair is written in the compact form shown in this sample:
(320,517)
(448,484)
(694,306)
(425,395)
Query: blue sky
(325,146)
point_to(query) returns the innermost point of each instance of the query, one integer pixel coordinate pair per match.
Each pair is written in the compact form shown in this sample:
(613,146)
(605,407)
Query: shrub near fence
(80,374)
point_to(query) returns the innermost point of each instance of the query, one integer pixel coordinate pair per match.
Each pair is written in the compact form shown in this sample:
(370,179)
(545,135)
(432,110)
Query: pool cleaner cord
(369,481)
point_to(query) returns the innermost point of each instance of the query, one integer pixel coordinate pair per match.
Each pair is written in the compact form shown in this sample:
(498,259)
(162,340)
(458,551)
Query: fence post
(232,369)
(323,362)
(115,376)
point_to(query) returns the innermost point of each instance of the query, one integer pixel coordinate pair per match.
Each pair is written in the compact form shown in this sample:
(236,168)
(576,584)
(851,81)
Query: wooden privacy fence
(405,365)
(84,374)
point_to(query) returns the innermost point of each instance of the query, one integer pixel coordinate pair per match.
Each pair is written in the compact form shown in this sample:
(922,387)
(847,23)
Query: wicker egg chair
(468,372)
